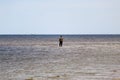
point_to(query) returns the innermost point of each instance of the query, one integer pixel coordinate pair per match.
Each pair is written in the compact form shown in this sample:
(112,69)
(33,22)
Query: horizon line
(59,34)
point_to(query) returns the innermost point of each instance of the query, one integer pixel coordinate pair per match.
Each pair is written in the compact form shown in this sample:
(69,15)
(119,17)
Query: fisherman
(60,41)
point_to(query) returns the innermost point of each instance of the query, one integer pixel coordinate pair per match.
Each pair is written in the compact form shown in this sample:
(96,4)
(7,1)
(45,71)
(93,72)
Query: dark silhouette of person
(60,41)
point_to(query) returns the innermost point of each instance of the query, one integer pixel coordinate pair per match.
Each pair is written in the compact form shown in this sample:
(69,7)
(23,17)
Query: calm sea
(81,38)
(29,44)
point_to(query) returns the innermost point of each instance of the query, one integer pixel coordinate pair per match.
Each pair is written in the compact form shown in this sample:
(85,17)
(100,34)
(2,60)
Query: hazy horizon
(56,34)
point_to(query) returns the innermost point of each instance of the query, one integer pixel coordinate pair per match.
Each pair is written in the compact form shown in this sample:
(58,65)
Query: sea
(55,37)
(13,44)
(26,56)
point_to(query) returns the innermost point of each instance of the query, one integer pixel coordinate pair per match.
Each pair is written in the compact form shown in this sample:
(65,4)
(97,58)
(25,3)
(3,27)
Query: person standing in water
(60,41)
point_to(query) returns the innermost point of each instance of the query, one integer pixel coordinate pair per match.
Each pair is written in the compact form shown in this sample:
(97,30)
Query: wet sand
(47,61)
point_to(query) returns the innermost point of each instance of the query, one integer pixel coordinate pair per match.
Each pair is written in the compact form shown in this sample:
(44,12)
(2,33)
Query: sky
(59,17)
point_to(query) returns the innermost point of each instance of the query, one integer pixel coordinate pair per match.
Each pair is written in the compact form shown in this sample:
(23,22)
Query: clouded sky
(59,16)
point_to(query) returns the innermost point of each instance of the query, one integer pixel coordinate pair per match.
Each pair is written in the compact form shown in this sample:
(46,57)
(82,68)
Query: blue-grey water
(13,44)
(55,37)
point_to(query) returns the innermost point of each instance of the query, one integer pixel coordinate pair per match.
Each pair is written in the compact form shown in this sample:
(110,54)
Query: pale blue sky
(59,16)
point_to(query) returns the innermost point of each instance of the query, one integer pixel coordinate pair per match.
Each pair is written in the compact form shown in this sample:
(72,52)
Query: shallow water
(40,58)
